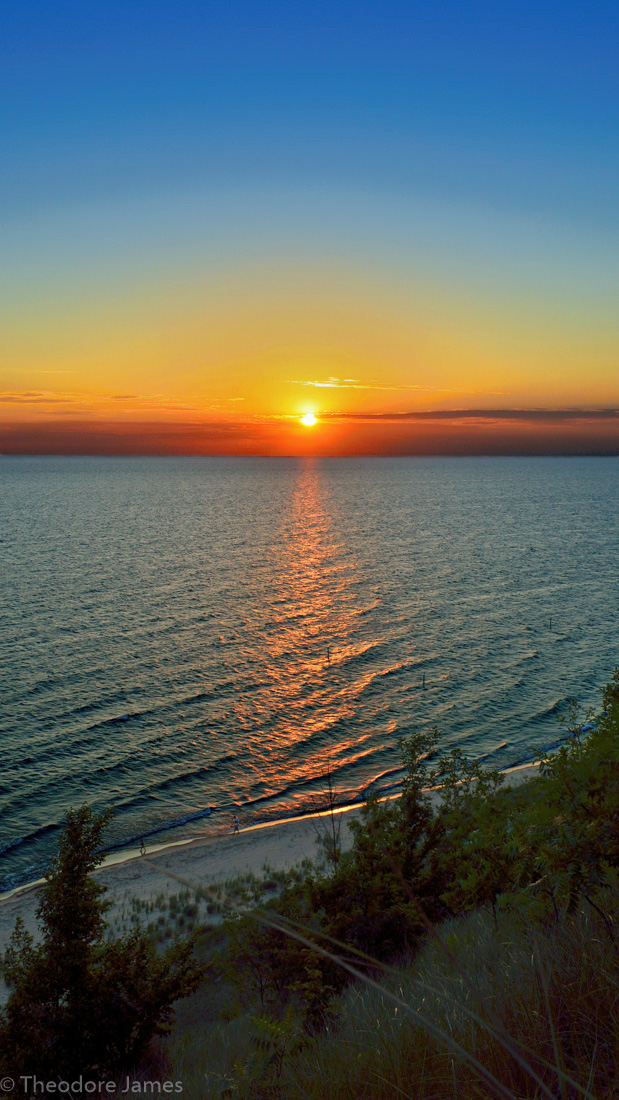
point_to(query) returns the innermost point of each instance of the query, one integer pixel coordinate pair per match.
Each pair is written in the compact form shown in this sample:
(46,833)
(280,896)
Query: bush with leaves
(261,961)
(79,1003)
(372,899)
(570,830)
(477,855)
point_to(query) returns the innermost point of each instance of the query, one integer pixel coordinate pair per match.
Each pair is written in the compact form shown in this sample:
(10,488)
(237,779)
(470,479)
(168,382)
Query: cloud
(34,397)
(80,403)
(480,414)
(115,437)
(333,383)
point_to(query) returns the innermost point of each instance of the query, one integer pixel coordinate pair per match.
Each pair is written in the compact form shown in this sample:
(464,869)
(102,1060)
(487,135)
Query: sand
(200,862)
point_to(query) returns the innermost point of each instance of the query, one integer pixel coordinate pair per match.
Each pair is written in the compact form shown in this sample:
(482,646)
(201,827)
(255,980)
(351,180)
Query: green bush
(263,962)
(80,1003)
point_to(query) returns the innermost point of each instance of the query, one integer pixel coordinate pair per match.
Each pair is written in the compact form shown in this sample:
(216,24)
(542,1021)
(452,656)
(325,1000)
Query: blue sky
(510,104)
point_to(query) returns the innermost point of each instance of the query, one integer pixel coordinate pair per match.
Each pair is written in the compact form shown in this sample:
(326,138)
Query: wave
(30,838)
(152,790)
(553,710)
(376,785)
(491,752)
(199,815)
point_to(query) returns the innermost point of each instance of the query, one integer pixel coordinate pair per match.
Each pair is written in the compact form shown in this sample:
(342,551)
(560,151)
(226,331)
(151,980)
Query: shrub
(374,898)
(78,1002)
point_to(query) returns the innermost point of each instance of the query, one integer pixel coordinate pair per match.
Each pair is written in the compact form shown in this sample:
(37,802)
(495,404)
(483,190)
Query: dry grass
(538,1011)
(553,993)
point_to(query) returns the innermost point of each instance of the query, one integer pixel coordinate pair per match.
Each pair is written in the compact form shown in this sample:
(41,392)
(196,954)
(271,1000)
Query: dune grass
(553,992)
(545,1000)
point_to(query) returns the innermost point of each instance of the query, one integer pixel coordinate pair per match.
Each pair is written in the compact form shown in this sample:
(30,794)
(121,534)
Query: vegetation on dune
(459,949)
(80,1003)
(480,932)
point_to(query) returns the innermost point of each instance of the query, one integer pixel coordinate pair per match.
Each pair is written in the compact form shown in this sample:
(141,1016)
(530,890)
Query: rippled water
(185,633)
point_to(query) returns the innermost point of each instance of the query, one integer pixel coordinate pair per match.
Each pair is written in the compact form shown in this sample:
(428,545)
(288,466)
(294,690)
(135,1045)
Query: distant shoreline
(122,855)
(611,452)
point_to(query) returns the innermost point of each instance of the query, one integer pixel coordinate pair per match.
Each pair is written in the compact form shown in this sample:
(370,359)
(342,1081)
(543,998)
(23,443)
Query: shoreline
(205,860)
(121,856)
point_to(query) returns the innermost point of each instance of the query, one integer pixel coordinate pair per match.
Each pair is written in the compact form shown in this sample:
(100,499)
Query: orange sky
(171,361)
(367,219)
(511,432)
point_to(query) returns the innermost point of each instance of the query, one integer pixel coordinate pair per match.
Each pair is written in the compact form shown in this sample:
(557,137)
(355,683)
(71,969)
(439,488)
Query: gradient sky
(216,217)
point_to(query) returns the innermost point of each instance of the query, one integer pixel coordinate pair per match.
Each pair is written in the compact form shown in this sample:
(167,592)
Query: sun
(308,419)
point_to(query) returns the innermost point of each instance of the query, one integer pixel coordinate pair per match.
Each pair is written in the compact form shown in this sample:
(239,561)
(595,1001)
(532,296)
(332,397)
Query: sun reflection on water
(313,629)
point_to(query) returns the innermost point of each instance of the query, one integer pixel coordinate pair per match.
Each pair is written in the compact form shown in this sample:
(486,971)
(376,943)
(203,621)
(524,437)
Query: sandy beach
(198,862)
(204,861)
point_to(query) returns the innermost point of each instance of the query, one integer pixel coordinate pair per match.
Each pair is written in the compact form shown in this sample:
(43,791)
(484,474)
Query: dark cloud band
(480,414)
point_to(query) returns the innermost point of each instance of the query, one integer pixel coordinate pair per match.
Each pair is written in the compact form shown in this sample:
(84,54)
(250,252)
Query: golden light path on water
(314,612)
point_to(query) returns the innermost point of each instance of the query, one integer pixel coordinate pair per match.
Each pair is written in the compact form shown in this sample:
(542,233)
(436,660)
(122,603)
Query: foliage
(261,960)
(79,1003)
(273,1041)
(373,898)
(476,855)
(456,841)
(569,831)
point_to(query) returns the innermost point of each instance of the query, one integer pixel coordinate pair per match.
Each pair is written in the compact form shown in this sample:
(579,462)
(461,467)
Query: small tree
(574,832)
(261,960)
(328,823)
(373,897)
(79,1003)
(475,855)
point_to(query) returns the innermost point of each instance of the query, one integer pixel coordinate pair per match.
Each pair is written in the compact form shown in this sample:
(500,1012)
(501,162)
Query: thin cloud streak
(81,403)
(34,397)
(333,383)
(479,414)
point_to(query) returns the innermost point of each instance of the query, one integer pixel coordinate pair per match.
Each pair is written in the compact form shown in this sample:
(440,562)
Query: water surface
(179,634)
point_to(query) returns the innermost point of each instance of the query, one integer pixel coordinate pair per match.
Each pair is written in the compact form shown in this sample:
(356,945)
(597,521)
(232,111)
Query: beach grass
(546,1000)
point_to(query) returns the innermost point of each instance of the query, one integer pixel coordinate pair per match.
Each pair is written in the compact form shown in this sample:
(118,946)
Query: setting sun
(308,419)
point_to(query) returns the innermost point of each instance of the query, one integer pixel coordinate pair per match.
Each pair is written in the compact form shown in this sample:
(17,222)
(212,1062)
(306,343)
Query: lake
(187,633)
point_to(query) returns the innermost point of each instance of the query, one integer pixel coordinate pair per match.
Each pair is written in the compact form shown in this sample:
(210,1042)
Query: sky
(219,217)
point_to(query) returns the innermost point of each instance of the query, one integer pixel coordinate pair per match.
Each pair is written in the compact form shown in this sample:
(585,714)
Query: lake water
(179,634)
